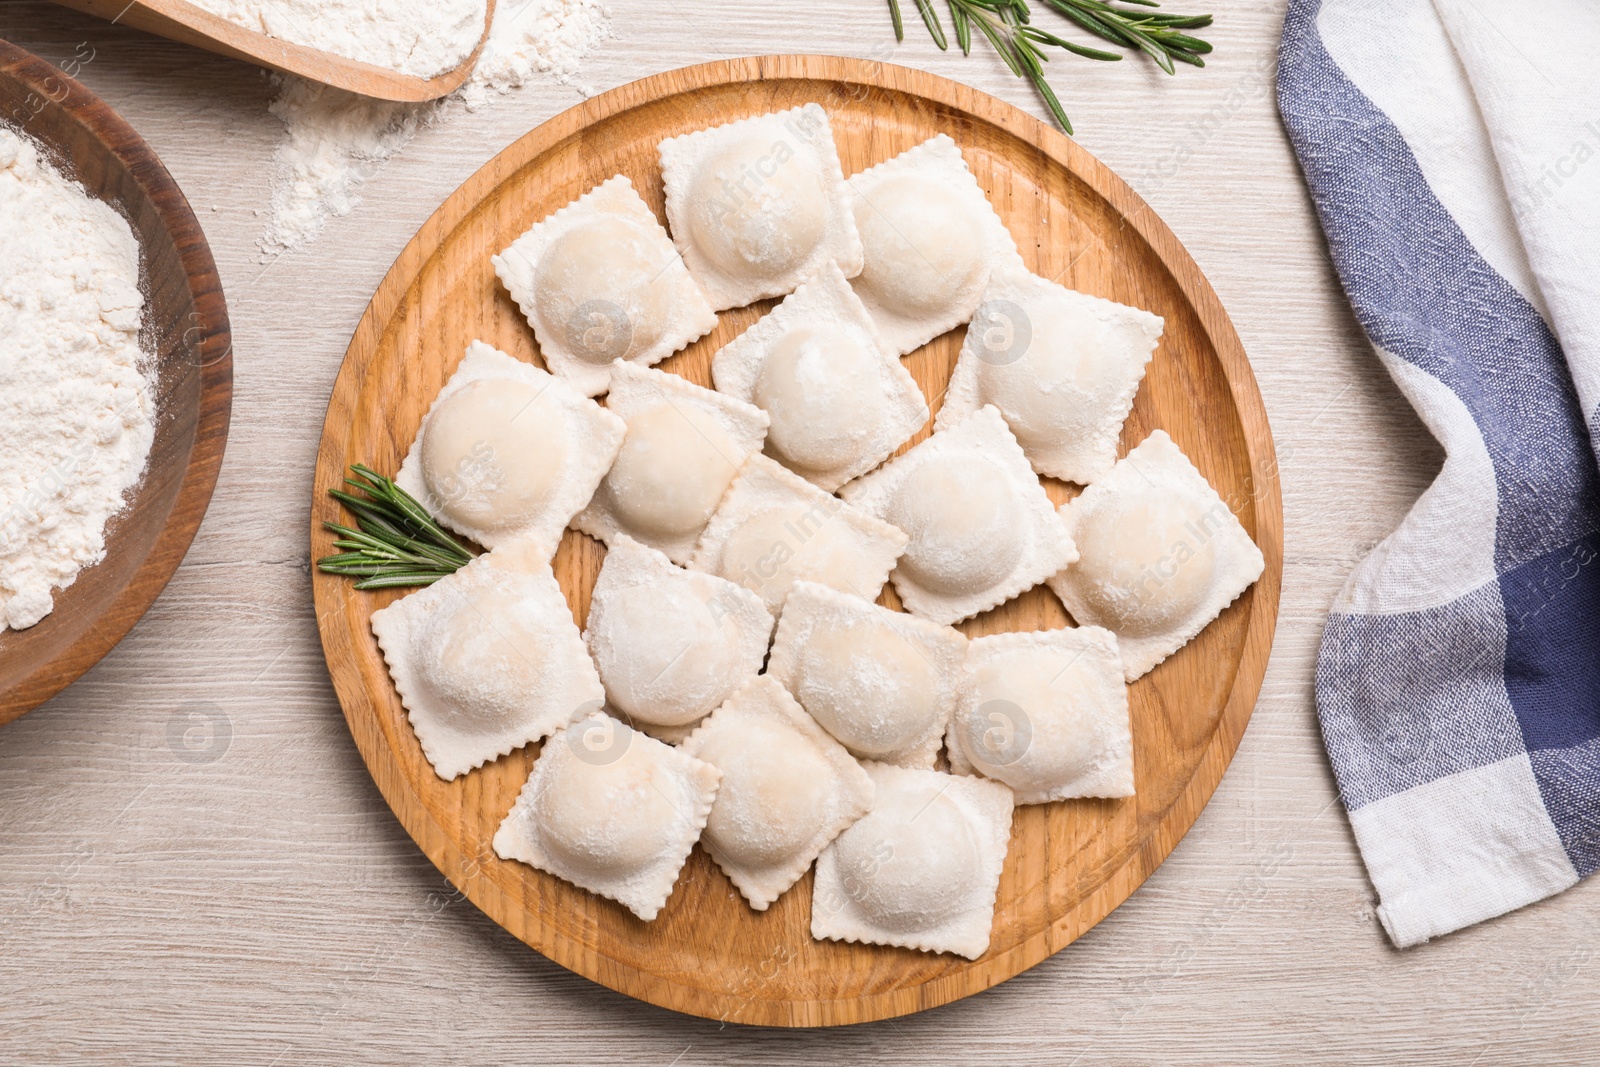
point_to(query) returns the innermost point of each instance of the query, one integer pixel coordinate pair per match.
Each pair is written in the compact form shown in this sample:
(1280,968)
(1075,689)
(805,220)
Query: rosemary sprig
(395,542)
(1007,25)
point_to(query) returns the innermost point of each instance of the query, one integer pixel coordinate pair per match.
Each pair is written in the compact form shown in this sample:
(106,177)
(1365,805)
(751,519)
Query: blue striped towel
(1452,150)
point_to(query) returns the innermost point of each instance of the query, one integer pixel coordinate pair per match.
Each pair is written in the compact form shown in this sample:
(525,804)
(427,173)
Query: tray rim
(121,141)
(460,869)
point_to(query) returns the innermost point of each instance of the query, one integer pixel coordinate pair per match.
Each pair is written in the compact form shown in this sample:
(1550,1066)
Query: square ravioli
(671,645)
(930,243)
(1062,367)
(787,789)
(882,682)
(611,811)
(757,205)
(1162,554)
(683,447)
(921,869)
(508,451)
(775,528)
(600,280)
(1047,714)
(839,404)
(981,528)
(487,659)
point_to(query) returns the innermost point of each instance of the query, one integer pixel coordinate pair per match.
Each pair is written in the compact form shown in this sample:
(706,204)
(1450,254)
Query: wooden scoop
(181,21)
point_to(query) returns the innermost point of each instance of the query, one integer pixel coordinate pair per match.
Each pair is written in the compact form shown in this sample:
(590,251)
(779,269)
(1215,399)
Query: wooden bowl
(185,331)
(192,25)
(1069,863)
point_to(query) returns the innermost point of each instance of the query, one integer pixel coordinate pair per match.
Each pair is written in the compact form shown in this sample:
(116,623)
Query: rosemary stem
(394,542)
(1007,25)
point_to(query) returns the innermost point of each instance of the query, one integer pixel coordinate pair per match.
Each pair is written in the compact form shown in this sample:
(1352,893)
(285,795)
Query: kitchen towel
(1452,151)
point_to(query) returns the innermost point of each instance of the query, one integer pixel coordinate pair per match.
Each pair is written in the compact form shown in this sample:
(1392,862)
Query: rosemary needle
(1007,26)
(395,542)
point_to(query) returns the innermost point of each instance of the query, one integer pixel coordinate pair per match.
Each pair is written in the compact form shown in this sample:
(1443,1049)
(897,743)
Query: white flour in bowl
(422,38)
(335,140)
(76,410)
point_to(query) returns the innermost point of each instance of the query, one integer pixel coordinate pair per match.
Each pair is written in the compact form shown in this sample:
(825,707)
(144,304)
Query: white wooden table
(256,903)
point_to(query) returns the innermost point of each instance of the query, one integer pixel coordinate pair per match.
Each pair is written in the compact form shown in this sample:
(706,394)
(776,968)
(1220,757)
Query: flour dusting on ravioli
(683,446)
(787,789)
(839,403)
(1062,367)
(1162,554)
(487,659)
(981,528)
(882,682)
(671,645)
(921,869)
(930,243)
(508,451)
(775,528)
(1047,714)
(757,205)
(611,811)
(600,280)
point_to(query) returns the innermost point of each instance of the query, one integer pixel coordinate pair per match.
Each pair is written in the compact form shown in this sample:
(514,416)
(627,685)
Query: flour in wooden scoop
(422,38)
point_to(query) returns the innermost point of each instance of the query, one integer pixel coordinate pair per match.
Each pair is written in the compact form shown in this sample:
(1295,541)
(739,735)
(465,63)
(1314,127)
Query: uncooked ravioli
(917,861)
(787,789)
(1061,367)
(894,680)
(775,528)
(839,403)
(775,797)
(757,205)
(674,466)
(1047,714)
(926,240)
(507,450)
(755,210)
(930,243)
(671,645)
(480,655)
(921,869)
(1162,554)
(494,452)
(599,280)
(965,521)
(487,659)
(611,811)
(981,528)
(606,818)
(602,284)
(816,386)
(778,546)
(1128,536)
(684,444)
(882,682)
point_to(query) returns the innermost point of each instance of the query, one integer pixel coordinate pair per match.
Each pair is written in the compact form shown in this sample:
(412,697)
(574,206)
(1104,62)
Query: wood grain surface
(193,25)
(196,866)
(186,333)
(1069,863)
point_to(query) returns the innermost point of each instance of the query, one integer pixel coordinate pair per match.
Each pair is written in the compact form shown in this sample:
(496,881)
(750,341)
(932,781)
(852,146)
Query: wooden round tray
(186,328)
(1069,863)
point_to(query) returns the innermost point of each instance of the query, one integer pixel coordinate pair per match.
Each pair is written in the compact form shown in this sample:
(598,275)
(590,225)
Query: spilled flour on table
(335,140)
